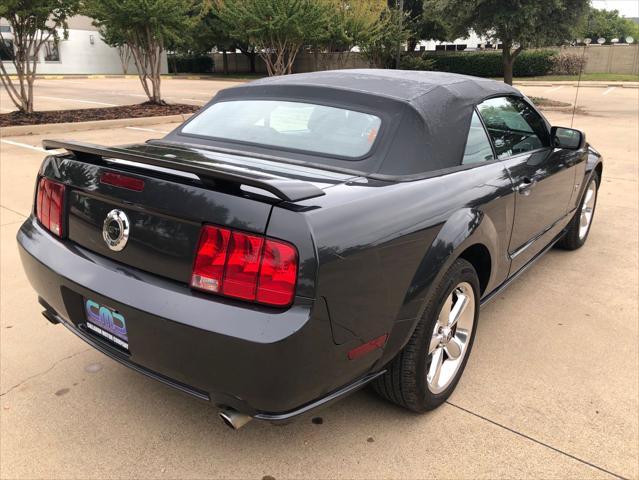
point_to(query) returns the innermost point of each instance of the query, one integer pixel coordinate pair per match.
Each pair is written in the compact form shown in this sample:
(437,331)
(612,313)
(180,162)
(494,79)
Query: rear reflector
(367,347)
(245,266)
(123,181)
(50,205)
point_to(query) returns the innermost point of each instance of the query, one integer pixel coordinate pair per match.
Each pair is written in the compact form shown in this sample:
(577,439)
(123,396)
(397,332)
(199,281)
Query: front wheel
(579,227)
(426,371)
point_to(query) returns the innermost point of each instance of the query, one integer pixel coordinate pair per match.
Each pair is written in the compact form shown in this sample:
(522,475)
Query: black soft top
(425,115)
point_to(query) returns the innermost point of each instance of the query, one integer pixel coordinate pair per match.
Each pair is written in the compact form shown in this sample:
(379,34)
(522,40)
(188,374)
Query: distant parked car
(303,236)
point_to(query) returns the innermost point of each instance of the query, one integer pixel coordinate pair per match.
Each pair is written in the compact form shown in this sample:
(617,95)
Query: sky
(627,8)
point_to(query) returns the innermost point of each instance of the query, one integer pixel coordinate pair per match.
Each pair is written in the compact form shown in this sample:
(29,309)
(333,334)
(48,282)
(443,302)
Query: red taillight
(242,266)
(210,259)
(124,181)
(278,273)
(50,205)
(245,266)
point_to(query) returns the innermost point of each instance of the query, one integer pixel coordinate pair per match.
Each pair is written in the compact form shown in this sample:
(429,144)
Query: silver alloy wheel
(451,336)
(587,209)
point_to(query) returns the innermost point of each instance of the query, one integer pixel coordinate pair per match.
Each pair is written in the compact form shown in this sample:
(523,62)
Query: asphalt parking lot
(72,93)
(551,389)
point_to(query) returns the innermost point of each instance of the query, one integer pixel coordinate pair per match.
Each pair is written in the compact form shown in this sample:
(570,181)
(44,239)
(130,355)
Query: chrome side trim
(526,245)
(514,276)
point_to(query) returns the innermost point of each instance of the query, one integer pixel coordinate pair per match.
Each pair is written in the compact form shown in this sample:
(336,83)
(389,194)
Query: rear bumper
(270,364)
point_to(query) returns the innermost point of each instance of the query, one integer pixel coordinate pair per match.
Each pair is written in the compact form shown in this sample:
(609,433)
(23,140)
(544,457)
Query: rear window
(289,125)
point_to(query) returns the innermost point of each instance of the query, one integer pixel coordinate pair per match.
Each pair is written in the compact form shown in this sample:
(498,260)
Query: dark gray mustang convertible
(300,237)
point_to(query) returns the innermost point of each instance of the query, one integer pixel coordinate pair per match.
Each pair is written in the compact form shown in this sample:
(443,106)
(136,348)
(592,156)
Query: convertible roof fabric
(406,85)
(425,115)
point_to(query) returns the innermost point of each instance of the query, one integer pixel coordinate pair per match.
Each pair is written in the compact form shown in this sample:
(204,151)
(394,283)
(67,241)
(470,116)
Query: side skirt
(514,276)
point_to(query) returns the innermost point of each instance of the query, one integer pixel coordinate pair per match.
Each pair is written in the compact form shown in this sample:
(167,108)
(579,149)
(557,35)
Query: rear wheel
(579,226)
(426,371)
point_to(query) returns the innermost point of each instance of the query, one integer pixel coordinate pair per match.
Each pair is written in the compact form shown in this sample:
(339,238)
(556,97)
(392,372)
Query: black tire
(404,382)
(571,239)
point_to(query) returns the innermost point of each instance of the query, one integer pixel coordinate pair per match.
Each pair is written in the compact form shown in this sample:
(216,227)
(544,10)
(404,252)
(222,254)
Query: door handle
(526,186)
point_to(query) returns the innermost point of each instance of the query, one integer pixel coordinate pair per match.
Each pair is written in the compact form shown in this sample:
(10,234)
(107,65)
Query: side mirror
(567,138)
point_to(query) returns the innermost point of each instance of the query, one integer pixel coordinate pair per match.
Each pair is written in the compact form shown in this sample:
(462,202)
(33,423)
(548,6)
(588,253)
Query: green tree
(211,32)
(277,28)
(34,23)
(522,24)
(431,26)
(220,37)
(608,24)
(349,23)
(423,22)
(380,46)
(147,28)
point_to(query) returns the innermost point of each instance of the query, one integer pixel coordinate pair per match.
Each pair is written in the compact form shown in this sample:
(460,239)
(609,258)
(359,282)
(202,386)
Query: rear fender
(466,227)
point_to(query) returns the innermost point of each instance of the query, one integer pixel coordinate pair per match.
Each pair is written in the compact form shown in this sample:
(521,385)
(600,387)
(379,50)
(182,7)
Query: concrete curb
(19,130)
(571,83)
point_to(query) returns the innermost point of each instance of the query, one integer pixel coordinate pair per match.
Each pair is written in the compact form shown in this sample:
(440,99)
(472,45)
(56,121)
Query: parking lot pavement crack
(10,389)
(538,442)
(14,211)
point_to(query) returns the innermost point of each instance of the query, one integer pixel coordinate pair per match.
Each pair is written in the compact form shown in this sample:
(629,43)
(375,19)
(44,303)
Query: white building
(472,42)
(82,53)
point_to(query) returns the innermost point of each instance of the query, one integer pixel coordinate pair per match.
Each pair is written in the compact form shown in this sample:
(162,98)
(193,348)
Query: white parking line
(193,100)
(608,91)
(80,101)
(147,130)
(6,109)
(556,88)
(24,145)
(30,147)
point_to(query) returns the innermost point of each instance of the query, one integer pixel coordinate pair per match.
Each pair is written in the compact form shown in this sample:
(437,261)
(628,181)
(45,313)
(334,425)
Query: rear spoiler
(283,188)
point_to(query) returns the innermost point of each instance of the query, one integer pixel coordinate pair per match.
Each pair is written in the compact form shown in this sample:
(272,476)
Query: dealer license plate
(107,323)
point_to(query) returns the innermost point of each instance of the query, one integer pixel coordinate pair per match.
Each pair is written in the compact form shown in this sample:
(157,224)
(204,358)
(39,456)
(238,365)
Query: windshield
(289,125)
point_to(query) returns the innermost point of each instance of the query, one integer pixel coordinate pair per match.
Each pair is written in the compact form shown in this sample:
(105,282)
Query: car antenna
(581,69)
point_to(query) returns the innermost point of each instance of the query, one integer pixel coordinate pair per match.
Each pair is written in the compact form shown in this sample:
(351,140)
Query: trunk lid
(166,216)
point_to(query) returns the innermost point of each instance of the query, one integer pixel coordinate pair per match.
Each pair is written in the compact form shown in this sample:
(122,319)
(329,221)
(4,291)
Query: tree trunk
(508,57)
(412,45)
(252,56)
(30,94)
(508,61)
(157,95)
(225,63)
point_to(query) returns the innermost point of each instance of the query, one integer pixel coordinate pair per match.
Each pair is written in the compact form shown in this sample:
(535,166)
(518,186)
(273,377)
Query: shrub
(568,63)
(417,62)
(534,63)
(190,63)
(489,64)
(479,64)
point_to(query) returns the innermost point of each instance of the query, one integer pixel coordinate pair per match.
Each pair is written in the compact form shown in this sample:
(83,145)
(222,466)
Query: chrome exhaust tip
(234,419)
